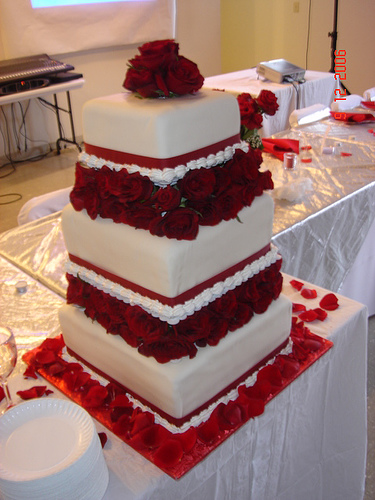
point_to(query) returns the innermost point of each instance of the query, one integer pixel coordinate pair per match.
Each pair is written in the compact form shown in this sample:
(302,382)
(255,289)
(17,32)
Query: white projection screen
(68,28)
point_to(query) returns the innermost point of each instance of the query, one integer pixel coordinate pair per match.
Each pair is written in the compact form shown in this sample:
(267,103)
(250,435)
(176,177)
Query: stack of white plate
(50,450)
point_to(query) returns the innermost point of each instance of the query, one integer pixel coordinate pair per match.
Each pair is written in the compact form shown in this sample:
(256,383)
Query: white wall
(198,33)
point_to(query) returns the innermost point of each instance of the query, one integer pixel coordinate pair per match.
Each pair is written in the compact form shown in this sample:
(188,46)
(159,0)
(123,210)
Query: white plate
(42,437)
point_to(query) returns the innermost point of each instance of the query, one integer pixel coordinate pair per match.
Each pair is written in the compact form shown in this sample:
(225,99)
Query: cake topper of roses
(159,71)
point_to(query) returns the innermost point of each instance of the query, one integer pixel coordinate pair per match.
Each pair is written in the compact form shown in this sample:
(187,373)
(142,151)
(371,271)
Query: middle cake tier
(170,279)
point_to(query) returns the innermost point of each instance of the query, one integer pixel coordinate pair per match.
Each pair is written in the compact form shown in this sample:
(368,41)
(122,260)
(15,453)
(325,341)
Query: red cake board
(175,454)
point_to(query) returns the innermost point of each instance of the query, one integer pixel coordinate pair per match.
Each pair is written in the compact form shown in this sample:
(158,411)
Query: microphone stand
(333,35)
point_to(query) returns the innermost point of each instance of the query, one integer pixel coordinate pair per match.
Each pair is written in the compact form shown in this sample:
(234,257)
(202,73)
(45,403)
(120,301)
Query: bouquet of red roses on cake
(159,71)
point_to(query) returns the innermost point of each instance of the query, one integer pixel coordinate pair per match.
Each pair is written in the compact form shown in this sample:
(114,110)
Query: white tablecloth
(318,88)
(310,443)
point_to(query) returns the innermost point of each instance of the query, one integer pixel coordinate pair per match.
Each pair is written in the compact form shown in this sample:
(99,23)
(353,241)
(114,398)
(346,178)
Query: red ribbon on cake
(160,163)
(179,299)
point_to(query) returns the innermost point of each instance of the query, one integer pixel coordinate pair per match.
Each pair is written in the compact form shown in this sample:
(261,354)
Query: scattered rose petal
(288,366)
(30,372)
(103,438)
(345,154)
(149,438)
(321,314)
(308,316)
(329,302)
(34,392)
(306,160)
(306,148)
(309,293)
(209,431)
(296,284)
(270,373)
(95,397)
(45,357)
(169,453)
(188,439)
(298,307)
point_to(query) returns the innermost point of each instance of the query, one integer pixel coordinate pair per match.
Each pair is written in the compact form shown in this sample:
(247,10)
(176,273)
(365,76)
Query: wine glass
(8,359)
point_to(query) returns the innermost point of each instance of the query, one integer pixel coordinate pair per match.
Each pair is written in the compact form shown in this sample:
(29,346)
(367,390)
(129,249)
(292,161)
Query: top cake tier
(125,129)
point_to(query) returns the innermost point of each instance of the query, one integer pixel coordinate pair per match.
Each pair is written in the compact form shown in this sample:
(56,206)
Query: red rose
(167,348)
(141,80)
(209,214)
(229,205)
(197,184)
(159,53)
(180,223)
(134,187)
(140,216)
(195,328)
(166,198)
(144,325)
(226,305)
(251,118)
(183,77)
(267,101)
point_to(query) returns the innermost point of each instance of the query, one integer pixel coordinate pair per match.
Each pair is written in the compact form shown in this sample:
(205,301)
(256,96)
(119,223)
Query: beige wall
(254,31)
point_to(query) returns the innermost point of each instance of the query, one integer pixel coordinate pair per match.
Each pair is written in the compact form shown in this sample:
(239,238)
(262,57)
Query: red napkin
(278,147)
(368,104)
(353,117)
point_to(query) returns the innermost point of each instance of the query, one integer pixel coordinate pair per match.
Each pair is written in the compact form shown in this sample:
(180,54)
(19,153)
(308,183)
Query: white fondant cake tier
(178,388)
(165,266)
(160,128)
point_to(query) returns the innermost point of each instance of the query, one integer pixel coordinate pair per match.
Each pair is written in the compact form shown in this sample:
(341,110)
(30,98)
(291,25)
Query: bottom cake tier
(179,389)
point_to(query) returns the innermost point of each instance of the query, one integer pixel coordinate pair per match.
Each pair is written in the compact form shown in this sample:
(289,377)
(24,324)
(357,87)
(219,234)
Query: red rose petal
(188,439)
(308,316)
(306,160)
(34,392)
(103,438)
(255,408)
(30,372)
(296,284)
(149,438)
(169,453)
(270,373)
(329,302)
(345,154)
(321,314)
(298,308)
(209,431)
(309,293)
(95,397)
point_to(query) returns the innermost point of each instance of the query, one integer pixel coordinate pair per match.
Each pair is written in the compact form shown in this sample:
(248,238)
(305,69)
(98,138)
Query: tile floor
(27,180)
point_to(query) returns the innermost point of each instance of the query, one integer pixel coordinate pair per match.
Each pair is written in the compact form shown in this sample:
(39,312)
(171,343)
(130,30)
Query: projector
(280,70)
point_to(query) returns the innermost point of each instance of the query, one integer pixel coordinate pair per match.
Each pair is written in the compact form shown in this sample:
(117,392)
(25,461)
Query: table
(310,443)
(44,91)
(318,88)
(327,235)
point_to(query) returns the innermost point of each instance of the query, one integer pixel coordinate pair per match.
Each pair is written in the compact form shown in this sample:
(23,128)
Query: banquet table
(326,233)
(318,88)
(310,443)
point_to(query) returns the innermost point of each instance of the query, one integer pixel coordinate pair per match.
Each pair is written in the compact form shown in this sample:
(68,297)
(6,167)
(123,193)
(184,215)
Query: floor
(24,181)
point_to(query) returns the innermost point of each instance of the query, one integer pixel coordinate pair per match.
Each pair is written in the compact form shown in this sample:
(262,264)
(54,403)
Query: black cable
(308,34)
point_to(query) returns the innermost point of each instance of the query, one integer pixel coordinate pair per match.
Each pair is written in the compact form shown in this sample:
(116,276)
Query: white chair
(43,205)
